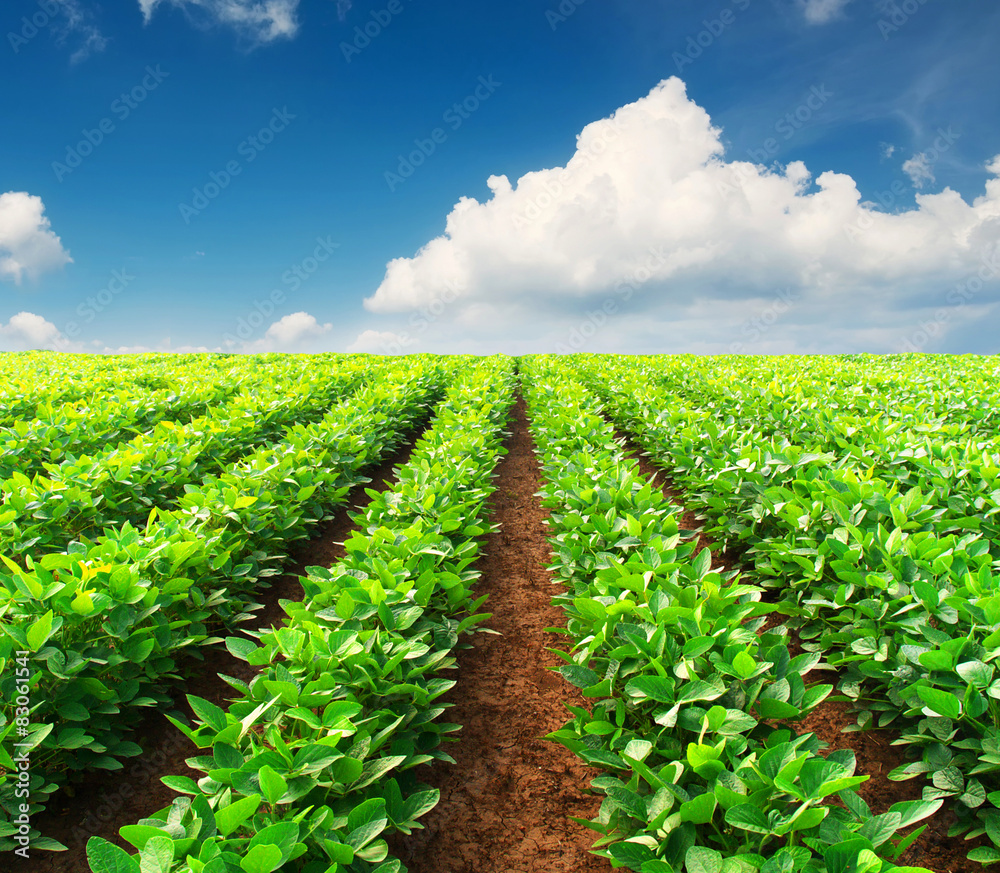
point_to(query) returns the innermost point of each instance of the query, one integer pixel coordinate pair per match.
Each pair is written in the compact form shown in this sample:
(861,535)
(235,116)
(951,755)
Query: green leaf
(699,810)
(699,690)
(272,784)
(653,687)
(261,859)
(208,712)
(912,811)
(748,817)
(976,673)
(744,665)
(702,860)
(579,676)
(880,828)
(939,702)
(231,817)
(768,707)
(105,857)
(40,631)
(634,855)
(158,855)
(140,835)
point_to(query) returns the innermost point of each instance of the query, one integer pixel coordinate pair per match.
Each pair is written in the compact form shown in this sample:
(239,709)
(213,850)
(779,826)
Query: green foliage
(311,766)
(686,685)
(123,609)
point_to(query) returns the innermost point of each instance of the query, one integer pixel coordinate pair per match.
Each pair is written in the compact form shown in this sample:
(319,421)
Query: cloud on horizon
(650,216)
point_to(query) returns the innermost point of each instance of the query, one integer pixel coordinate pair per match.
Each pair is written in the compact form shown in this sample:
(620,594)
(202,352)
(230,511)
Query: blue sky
(319,122)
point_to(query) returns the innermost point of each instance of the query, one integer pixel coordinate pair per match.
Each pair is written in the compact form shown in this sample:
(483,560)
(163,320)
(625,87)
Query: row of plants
(81,496)
(873,579)
(691,695)
(34,383)
(933,440)
(311,766)
(69,429)
(922,390)
(106,623)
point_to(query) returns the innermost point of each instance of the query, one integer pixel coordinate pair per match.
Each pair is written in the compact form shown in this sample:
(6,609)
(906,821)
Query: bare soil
(505,804)
(107,800)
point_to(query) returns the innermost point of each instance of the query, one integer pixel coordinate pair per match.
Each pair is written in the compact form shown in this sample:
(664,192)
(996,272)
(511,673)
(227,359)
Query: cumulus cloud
(822,11)
(257,21)
(918,168)
(27,244)
(29,331)
(296,332)
(378,342)
(887,149)
(650,219)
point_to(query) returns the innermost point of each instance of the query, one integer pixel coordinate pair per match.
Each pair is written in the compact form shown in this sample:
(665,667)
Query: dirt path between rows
(505,804)
(108,800)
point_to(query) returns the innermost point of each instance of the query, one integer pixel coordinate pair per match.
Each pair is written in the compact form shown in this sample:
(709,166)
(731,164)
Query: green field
(809,582)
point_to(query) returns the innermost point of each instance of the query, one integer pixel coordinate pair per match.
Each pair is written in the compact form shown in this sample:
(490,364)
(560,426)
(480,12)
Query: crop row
(37,384)
(691,693)
(310,767)
(81,496)
(773,425)
(71,429)
(106,622)
(874,577)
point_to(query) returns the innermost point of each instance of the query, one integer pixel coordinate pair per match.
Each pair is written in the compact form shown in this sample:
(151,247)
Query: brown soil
(505,804)
(108,800)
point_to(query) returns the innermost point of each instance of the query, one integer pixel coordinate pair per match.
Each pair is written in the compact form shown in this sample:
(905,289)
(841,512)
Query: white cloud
(258,21)
(27,244)
(27,331)
(918,168)
(378,342)
(887,149)
(822,11)
(296,332)
(649,216)
(80,28)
